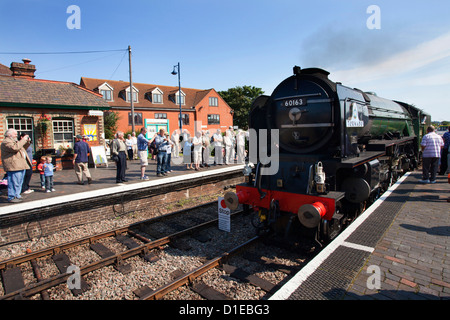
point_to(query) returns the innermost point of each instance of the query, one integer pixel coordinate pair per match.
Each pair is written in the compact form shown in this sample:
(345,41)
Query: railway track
(142,243)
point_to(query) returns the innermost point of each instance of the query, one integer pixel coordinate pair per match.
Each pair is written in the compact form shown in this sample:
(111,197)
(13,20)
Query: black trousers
(26,180)
(121,166)
(444,157)
(429,168)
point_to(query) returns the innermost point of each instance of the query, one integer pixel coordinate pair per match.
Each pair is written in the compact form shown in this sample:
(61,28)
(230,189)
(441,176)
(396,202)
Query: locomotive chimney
(23,70)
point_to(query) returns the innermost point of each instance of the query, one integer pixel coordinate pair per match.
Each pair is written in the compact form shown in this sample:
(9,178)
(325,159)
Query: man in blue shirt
(80,159)
(162,143)
(444,155)
(142,145)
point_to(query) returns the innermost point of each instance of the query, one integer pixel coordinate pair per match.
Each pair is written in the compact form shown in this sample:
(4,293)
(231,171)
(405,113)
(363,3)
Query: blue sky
(223,44)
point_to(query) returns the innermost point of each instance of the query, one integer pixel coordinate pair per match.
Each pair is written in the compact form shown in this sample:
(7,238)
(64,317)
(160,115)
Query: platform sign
(224,215)
(99,155)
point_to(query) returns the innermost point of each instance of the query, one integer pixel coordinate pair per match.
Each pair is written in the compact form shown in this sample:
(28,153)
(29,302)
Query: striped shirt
(433,144)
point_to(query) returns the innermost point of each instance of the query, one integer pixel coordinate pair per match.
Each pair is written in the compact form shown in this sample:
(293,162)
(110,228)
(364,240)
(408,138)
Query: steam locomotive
(339,149)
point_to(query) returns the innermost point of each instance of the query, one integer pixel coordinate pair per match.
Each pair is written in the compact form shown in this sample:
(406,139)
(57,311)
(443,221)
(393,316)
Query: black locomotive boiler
(339,148)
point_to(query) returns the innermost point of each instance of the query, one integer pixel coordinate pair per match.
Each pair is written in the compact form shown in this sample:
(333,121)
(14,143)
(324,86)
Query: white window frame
(183,98)
(213,101)
(64,127)
(135,94)
(157,92)
(106,87)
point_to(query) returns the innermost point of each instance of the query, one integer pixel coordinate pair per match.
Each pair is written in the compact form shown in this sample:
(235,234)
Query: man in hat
(80,159)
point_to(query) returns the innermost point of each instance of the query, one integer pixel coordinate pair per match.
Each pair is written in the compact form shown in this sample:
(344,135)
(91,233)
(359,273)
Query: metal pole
(131,90)
(179,97)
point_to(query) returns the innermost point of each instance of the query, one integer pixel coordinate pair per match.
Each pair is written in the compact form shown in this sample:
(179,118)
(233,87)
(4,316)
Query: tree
(110,119)
(240,99)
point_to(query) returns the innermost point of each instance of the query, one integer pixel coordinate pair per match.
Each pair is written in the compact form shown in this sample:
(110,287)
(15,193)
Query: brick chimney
(23,70)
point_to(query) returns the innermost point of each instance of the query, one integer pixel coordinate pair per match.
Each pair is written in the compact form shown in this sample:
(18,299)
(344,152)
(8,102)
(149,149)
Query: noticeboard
(98,154)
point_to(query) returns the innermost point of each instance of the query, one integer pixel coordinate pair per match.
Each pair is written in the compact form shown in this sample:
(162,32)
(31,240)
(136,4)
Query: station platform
(104,177)
(42,213)
(398,249)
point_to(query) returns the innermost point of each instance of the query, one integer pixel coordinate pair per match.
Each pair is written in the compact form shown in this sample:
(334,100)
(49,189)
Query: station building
(52,113)
(157,106)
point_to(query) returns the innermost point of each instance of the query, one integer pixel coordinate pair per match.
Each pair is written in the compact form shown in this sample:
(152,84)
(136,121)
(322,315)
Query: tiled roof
(193,96)
(44,92)
(4,70)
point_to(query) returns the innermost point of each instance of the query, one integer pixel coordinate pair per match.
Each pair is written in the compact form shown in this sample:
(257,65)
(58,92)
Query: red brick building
(157,106)
(52,113)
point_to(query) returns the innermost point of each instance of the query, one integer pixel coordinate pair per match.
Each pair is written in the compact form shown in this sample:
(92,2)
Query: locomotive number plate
(294,102)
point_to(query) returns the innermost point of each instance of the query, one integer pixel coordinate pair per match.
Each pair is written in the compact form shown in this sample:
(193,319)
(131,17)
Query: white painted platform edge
(285,291)
(29,205)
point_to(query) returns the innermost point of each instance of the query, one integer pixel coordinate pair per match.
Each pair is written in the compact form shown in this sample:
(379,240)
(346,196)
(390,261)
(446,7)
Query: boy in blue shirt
(48,173)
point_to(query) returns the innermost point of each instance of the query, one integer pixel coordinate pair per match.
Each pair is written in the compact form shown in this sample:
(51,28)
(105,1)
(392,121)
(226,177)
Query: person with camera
(15,162)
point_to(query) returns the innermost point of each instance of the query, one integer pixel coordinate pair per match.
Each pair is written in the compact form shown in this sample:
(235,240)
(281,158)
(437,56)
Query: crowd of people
(193,151)
(180,148)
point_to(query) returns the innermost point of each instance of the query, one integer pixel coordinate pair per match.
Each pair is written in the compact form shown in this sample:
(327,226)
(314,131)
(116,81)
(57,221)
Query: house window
(20,124)
(213,102)
(160,115)
(137,119)
(185,118)
(177,98)
(213,119)
(157,98)
(134,96)
(63,133)
(106,91)
(107,95)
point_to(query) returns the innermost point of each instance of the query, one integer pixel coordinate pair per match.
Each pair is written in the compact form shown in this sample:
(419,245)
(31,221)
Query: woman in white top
(197,142)
(218,155)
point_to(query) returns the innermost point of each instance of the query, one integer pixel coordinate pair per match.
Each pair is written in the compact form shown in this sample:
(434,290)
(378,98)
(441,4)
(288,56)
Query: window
(106,91)
(137,119)
(63,133)
(161,116)
(178,101)
(185,118)
(213,102)
(135,94)
(213,119)
(134,97)
(107,95)
(20,124)
(157,98)
(177,97)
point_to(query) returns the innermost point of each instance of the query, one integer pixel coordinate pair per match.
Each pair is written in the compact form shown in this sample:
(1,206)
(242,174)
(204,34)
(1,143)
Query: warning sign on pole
(224,215)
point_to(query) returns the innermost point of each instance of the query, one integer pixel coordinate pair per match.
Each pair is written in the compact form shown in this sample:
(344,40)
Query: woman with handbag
(119,155)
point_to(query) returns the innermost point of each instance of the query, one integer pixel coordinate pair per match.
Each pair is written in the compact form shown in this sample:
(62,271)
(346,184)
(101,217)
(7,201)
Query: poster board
(99,155)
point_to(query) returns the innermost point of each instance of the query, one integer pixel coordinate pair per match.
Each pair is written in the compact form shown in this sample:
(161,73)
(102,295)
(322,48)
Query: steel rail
(89,239)
(36,288)
(190,276)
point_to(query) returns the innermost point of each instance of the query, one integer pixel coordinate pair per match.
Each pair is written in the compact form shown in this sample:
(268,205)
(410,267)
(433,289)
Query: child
(48,172)
(40,168)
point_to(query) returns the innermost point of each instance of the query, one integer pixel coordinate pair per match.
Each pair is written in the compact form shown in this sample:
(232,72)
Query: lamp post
(176,70)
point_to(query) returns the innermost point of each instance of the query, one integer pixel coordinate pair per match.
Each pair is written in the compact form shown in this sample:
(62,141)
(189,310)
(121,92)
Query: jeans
(49,183)
(15,181)
(167,166)
(161,159)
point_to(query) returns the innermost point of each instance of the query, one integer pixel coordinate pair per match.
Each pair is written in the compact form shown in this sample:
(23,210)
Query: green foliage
(110,123)
(240,100)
